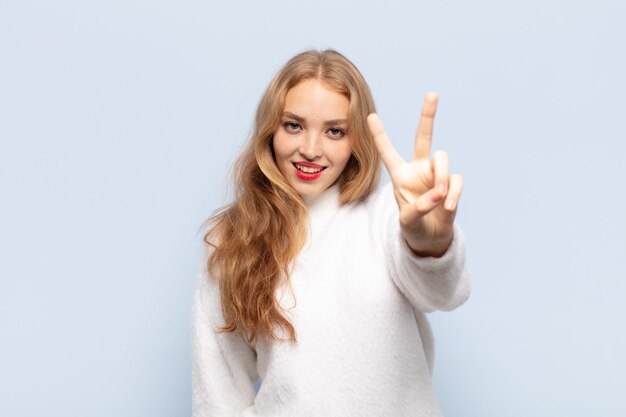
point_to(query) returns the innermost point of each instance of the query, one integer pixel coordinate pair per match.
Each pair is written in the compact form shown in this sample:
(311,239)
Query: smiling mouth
(307,169)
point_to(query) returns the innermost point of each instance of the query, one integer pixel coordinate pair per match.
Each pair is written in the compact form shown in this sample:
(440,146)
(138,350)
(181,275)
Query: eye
(291,127)
(335,133)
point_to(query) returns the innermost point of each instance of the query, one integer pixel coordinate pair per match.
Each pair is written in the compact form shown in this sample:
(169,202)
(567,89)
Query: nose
(311,146)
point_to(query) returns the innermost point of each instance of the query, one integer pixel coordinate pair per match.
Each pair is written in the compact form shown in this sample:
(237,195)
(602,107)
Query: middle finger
(424,134)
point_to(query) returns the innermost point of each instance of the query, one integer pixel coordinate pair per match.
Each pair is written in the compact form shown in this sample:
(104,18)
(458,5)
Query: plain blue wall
(118,121)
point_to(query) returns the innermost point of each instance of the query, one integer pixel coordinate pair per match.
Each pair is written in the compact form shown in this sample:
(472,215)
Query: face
(312,145)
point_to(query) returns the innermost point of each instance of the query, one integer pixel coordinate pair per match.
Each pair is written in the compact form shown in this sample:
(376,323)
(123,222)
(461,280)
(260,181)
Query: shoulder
(381,201)
(207,300)
(374,213)
(382,194)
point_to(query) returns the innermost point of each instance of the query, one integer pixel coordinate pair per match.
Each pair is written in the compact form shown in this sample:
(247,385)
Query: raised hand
(426,195)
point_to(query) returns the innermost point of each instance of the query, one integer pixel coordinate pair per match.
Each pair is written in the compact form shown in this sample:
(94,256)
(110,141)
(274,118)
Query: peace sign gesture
(426,195)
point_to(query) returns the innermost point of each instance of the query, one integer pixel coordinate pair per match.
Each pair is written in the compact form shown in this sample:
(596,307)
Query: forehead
(316,99)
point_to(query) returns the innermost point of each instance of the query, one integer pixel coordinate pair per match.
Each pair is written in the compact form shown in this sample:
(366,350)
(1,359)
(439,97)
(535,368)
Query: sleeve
(223,364)
(428,283)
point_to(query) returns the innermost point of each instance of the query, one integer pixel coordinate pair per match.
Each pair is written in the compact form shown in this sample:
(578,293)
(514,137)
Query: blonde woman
(317,281)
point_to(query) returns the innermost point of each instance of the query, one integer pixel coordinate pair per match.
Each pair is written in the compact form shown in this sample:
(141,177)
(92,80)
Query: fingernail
(450,204)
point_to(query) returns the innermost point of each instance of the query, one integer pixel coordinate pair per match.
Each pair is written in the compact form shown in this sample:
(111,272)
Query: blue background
(119,120)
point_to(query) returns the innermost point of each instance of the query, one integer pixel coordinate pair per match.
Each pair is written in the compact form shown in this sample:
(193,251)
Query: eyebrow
(300,119)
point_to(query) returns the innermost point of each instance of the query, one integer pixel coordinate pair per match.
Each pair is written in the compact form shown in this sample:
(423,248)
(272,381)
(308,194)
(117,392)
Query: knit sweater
(357,299)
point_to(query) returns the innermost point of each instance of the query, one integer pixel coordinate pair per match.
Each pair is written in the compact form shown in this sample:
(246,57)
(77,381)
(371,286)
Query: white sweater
(358,300)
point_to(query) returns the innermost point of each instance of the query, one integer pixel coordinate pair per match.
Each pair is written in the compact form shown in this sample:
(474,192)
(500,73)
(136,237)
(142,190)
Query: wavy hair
(255,238)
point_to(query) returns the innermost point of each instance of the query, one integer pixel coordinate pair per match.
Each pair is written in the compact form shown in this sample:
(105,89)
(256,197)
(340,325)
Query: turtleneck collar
(328,198)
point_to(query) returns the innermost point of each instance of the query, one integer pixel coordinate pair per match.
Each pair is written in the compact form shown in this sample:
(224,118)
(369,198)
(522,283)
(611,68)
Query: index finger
(424,134)
(388,153)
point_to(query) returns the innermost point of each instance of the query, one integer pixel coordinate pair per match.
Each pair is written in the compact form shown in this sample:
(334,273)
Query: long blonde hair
(255,238)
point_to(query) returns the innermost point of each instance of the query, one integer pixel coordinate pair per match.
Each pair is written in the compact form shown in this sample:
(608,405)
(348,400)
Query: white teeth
(308,170)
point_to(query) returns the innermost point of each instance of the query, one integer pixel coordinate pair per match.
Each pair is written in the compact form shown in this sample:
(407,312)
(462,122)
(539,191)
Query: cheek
(280,148)
(342,153)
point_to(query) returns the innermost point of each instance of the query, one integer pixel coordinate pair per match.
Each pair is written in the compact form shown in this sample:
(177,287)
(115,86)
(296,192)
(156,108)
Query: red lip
(308,164)
(306,176)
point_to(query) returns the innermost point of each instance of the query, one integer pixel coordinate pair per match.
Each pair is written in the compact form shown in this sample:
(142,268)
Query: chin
(308,191)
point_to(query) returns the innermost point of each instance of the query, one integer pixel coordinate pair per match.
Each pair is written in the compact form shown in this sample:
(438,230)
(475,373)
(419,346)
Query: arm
(429,283)
(425,247)
(223,364)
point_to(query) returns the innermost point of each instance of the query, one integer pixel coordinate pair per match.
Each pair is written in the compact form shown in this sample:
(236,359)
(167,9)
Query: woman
(316,281)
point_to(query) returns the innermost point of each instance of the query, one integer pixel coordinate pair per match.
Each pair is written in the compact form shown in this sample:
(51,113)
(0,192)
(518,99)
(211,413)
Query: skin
(313,129)
(426,194)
